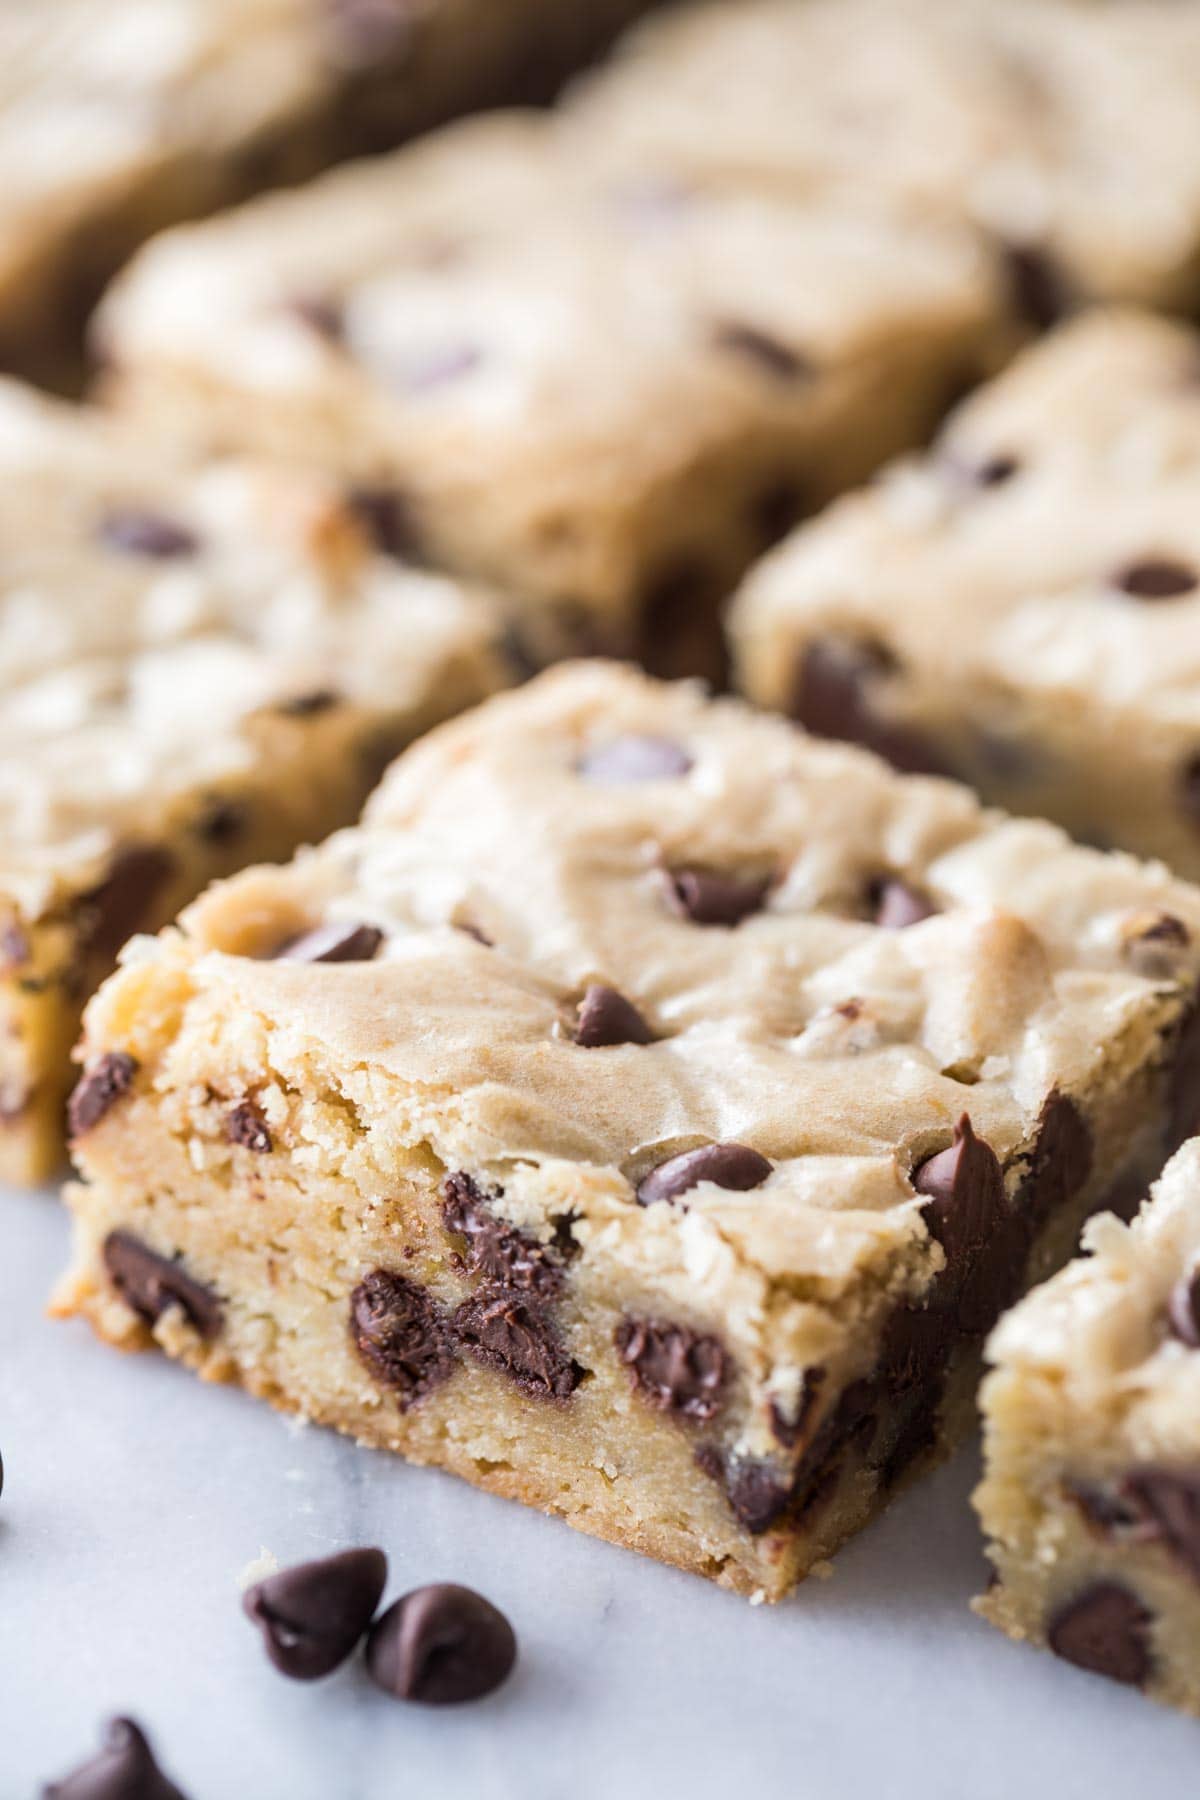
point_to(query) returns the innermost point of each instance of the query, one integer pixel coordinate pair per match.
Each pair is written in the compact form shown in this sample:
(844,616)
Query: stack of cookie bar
(648,1108)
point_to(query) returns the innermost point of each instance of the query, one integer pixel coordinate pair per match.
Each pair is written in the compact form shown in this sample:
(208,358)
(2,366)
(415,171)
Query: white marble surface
(134,1497)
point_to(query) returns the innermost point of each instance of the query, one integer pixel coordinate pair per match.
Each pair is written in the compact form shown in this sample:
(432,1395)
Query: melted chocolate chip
(311,1616)
(150,1284)
(245,1125)
(708,898)
(896,905)
(124,1770)
(674,1368)
(1039,290)
(1156,578)
(496,1250)
(607,1018)
(387,519)
(733,1166)
(515,1335)
(833,698)
(636,756)
(129,897)
(340,941)
(767,353)
(148,534)
(401,1334)
(1183,1309)
(441,1645)
(1105,1629)
(102,1085)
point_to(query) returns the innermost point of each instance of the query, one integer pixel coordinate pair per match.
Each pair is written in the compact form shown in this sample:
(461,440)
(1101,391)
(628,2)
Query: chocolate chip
(221,822)
(775,359)
(758,1492)
(1062,1158)
(1114,1517)
(307,706)
(312,1615)
(1105,1629)
(967,1213)
(387,519)
(369,29)
(322,314)
(1154,943)
(1183,1078)
(1183,1309)
(708,898)
(1189,789)
(503,1255)
(515,1335)
(833,698)
(674,1368)
(401,1334)
(148,534)
(339,941)
(994,471)
(635,756)
(680,632)
(896,905)
(789,1431)
(1039,290)
(245,1125)
(1156,578)
(151,1284)
(775,509)
(441,1645)
(733,1166)
(124,1770)
(1171,1501)
(102,1085)
(607,1018)
(129,898)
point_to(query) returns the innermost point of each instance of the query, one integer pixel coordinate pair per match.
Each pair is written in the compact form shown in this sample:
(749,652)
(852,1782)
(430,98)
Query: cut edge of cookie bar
(1090,1498)
(343,1224)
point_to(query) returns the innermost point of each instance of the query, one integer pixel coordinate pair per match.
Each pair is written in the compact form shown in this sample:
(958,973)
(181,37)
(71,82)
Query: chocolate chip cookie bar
(605,394)
(164,109)
(1068,135)
(643,1114)
(1091,1492)
(199,668)
(1021,607)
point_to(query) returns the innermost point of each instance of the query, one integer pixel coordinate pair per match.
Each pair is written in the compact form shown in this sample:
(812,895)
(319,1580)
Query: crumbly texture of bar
(176,107)
(1067,134)
(606,394)
(1020,607)
(1091,1490)
(200,667)
(686,1100)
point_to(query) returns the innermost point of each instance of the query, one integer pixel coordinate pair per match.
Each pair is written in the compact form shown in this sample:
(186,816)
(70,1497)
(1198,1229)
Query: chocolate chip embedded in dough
(896,904)
(1062,1157)
(498,1251)
(124,1770)
(103,1083)
(340,941)
(996,470)
(758,1492)
(1154,943)
(733,1166)
(307,706)
(401,1334)
(1039,289)
(245,1125)
(606,1018)
(964,1186)
(321,313)
(1183,1309)
(1105,1629)
(1189,790)
(441,1645)
(761,348)
(835,696)
(634,756)
(1170,1498)
(148,534)
(509,1332)
(707,897)
(221,822)
(312,1615)
(129,897)
(151,1284)
(678,1370)
(1156,578)
(386,517)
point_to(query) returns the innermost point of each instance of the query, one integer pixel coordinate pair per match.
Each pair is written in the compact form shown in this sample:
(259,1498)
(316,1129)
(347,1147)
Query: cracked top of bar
(1070,128)
(162,625)
(832,964)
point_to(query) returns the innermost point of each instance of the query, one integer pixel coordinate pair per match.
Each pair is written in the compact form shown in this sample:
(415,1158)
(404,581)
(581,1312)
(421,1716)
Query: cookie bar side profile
(1091,1491)
(643,1114)
(1020,607)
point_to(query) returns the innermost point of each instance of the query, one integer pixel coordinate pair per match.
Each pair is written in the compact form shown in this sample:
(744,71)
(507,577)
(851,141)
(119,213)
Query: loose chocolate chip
(708,898)
(441,1645)
(506,1331)
(313,1615)
(635,756)
(1156,578)
(387,519)
(833,698)
(607,1018)
(1039,290)
(337,942)
(1107,1630)
(1183,1309)
(148,534)
(129,898)
(307,706)
(245,1125)
(503,1255)
(102,1085)
(775,359)
(1171,1501)
(733,1166)
(676,1369)
(896,905)
(221,822)
(124,1770)
(322,315)
(150,1284)
(400,1333)
(1189,789)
